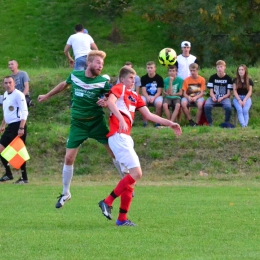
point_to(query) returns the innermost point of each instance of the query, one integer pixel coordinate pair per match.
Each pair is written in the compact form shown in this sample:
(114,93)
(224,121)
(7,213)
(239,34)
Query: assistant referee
(15,113)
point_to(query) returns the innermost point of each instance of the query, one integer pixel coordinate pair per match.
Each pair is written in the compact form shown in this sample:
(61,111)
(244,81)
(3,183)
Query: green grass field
(180,214)
(178,220)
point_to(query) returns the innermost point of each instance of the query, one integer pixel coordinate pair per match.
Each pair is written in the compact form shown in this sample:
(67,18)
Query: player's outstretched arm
(157,119)
(59,88)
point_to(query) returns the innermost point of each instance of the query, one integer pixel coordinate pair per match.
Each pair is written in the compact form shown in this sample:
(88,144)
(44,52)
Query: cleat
(125,223)
(6,178)
(21,181)
(62,199)
(106,210)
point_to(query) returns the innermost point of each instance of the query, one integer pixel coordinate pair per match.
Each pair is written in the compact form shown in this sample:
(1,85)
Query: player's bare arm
(59,88)
(157,119)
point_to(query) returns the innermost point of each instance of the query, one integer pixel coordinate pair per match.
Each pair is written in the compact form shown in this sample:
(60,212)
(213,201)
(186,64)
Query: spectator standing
(173,93)
(242,90)
(220,85)
(184,60)
(15,114)
(20,77)
(81,43)
(193,92)
(152,87)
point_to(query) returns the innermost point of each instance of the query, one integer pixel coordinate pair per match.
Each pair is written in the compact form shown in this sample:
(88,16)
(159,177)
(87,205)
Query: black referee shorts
(11,132)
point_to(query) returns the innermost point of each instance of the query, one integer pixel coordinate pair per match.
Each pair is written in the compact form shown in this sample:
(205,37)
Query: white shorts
(122,146)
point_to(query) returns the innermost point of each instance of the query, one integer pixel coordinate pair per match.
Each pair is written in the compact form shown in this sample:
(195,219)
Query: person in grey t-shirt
(20,77)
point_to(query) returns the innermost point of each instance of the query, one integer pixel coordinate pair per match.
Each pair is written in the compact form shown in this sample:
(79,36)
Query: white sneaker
(62,199)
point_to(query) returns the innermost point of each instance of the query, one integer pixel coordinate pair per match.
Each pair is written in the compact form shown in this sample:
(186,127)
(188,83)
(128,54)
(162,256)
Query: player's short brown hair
(94,53)
(124,71)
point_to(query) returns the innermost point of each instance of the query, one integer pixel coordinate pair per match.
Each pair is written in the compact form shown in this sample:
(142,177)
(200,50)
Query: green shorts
(81,130)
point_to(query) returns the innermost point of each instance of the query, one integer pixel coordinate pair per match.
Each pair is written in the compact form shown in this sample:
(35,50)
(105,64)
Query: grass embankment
(34,32)
(221,153)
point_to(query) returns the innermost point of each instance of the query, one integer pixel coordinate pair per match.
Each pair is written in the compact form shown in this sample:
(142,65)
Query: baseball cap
(85,31)
(106,76)
(185,44)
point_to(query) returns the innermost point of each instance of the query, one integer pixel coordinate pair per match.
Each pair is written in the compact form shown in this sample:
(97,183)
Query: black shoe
(106,210)
(192,123)
(6,178)
(21,181)
(62,199)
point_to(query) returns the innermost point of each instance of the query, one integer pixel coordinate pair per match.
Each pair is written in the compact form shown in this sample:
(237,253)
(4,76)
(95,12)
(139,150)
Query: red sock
(119,189)
(126,199)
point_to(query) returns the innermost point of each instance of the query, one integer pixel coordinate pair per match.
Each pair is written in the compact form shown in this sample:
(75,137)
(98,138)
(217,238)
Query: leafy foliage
(215,28)
(111,9)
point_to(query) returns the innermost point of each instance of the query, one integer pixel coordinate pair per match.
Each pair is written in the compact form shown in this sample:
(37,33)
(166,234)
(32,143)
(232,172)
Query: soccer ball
(167,57)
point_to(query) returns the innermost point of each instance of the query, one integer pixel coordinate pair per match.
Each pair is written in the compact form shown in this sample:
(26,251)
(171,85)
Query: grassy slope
(223,154)
(35,33)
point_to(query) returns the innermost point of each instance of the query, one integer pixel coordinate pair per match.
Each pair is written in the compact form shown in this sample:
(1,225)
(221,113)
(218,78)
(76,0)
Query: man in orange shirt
(193,91)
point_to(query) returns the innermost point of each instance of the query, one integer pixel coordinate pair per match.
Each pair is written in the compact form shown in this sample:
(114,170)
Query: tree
(217,29)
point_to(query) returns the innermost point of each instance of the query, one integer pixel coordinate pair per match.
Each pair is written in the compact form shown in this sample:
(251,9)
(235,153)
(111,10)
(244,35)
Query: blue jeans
(243,112)
(226,104)
(81,63)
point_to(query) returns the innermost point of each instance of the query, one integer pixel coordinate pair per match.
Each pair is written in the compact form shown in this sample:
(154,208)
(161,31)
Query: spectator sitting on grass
(173,93)
(242,87)
(152,86)
(220,85)
(193,91)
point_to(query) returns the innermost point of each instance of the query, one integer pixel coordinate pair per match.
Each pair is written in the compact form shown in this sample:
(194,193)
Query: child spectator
(152,86)
(220,85)
(173,93)
(193,91)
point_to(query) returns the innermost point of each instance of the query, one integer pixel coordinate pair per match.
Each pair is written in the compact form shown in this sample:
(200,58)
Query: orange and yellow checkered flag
(16,153)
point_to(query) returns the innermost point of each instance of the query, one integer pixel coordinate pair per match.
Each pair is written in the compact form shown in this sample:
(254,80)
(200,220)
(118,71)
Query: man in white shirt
(81,44)
(184,60)
(15,113)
